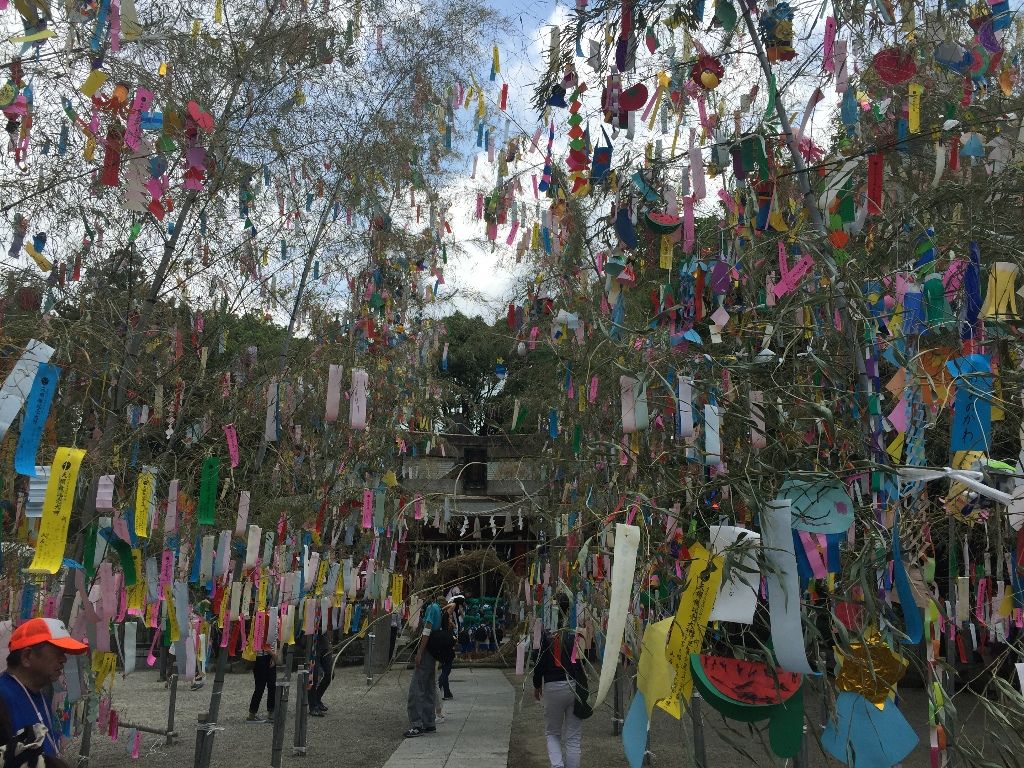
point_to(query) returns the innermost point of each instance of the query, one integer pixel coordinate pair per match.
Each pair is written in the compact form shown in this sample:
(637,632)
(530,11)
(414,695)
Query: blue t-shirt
(432,615)
(24,714)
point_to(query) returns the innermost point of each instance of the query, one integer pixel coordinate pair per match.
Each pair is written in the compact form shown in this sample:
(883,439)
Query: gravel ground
(671,741)
(362,728)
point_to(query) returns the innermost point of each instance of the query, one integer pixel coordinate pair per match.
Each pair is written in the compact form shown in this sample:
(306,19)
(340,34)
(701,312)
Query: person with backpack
(450,625)
(563,685)
(423,686)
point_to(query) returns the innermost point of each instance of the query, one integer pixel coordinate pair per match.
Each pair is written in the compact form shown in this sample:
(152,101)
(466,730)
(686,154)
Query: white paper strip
(270,425)
(783,587)
(357,401)
(627,542)
(171,520)
(736,601)
(130,631)
(252,549)
(333,392)
(243,513)
(19,381)
(685,401)
(712,435)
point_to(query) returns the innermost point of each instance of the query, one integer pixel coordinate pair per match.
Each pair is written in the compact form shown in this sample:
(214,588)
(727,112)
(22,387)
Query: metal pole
(170,710)
(951,637)
(208,720)
(368,656)
(281,708)
(164,659)
(700,752)
(86,746)
(202,731)
(301,703)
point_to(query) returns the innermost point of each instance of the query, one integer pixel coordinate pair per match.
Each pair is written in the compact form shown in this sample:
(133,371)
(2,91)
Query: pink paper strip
(232,437)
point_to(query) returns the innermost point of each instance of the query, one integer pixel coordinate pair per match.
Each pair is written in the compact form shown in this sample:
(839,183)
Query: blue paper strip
(37,409)
(911,614)
(634,731)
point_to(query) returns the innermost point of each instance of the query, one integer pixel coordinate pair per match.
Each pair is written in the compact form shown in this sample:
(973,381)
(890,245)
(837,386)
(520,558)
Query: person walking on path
(560,682)
(38,650)
(324,672)
(423,686)
(450,624)
(264,674)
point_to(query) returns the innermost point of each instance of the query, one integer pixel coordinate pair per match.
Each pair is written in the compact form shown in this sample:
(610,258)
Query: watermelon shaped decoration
(749,682)
(662,223)
(894,67)
(749,691)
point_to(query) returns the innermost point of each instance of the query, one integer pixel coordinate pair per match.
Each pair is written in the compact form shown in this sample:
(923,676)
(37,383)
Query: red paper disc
(894,67)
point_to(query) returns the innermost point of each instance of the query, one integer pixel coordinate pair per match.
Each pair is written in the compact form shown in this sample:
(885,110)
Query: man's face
(45,662)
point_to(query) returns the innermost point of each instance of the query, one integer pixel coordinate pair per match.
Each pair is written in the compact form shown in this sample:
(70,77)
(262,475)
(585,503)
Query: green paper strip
(208,490)
(124,555)
(90,550)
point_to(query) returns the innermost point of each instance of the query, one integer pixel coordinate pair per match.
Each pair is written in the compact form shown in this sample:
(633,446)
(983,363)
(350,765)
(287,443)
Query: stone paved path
(476,730)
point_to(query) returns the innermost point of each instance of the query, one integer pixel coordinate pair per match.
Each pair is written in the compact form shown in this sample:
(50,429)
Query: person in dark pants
(449,623)
(324,673)
(264,673)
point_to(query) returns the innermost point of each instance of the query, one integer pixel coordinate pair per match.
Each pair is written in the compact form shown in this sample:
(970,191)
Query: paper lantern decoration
(750,691)
(777,33)
(707,72)
(822,506)
(894,67)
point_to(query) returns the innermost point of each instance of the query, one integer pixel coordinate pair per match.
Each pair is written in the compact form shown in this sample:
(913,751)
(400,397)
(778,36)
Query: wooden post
(208,720)
(301,707)
(700,753)
(172,704)
(281,707)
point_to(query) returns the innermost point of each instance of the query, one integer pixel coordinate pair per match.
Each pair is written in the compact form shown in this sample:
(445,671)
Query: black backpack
(441,645)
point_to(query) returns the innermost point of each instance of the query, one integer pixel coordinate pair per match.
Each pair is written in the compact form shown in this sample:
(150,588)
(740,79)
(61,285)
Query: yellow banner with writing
(144,490)
(60,494)
(686,635)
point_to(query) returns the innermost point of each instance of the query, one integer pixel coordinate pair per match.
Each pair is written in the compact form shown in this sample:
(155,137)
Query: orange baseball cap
(52,631)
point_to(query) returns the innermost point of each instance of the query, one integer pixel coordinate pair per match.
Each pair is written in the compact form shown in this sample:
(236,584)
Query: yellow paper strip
(690,623)
(93,82)
(35,37)
(144,491)
(60,494)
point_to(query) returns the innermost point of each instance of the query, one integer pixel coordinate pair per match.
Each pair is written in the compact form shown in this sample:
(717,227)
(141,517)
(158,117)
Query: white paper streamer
(19,381)
(627,542)
(783,587)
(243,513)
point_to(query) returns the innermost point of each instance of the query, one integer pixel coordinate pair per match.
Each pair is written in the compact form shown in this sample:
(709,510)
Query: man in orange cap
(38,650)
